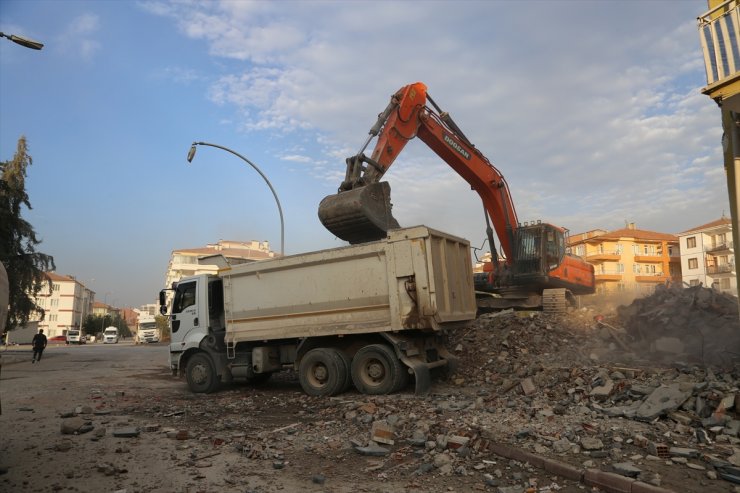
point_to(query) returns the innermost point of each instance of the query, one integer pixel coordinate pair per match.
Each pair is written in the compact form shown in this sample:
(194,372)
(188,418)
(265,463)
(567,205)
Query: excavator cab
(539,248)
(359,215)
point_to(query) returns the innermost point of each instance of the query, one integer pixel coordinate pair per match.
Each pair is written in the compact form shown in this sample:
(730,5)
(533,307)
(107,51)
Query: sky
(592,111)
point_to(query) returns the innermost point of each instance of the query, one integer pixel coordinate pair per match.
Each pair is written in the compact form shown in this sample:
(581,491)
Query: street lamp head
(23,41)
(191,153)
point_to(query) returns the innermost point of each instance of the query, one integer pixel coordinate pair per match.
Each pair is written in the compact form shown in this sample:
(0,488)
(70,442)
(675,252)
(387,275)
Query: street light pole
(191,155)
(23,41)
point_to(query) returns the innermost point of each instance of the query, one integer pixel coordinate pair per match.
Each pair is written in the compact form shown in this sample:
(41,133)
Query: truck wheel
(320,372)
(200,374)
(377,370)
(345,365)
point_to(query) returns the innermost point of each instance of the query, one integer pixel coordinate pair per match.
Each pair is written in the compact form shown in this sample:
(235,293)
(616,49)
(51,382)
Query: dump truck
(146,330)
(373,315)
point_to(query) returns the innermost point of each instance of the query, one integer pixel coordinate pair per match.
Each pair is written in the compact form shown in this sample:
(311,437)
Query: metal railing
(718,30)
(720,269)
(727,245)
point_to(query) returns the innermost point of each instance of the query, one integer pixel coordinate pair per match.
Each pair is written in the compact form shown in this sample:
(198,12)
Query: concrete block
(528,386)
(382,432)
(562,469)
(640,487)
(608,481)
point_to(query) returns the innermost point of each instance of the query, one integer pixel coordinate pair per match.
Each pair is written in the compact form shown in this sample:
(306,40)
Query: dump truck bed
(416,278)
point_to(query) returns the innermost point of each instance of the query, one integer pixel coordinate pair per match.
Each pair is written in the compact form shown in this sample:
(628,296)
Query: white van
(74,336)
(110,335)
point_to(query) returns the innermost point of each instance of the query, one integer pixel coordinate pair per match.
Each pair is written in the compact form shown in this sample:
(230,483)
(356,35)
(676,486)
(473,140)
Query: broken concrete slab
(661,401)
(373,450)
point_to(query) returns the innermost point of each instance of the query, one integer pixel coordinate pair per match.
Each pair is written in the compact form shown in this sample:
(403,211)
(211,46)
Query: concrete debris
(126,432)
(543,397)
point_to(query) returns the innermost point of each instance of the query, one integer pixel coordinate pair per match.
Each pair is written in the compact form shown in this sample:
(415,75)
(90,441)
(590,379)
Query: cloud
(591,110)
(78,37)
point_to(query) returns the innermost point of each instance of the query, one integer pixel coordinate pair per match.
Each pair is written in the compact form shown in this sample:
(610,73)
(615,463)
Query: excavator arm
(361,211)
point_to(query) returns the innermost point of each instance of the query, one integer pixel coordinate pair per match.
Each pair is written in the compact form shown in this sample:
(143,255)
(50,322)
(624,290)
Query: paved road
(35,396)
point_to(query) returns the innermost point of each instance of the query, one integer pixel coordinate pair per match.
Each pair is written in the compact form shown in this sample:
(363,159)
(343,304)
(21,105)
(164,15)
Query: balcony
(718,31)
(653,277)
(718,270)
(608,275)
(650,258)
(726,246)
(603,256)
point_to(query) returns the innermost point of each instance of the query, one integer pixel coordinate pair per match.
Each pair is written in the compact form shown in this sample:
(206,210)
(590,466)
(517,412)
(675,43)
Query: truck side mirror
(162,303)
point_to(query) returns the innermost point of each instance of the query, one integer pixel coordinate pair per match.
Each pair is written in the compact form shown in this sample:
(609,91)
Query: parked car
(57,340)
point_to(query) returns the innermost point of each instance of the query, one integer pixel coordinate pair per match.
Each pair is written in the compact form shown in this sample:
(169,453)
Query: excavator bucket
(359,215)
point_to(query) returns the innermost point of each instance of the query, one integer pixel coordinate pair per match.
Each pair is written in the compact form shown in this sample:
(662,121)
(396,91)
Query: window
(618,249)
(650,269)
(54,302)
(56,287)
(184,297)
(670,250)
(53,318)
(724,283)
(693,263)
(694,282)
(620,268)
(636,249)
(691,242)
(581,250)
(636,268)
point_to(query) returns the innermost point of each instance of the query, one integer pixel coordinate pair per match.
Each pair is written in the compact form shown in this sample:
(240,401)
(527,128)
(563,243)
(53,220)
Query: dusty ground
(274,438)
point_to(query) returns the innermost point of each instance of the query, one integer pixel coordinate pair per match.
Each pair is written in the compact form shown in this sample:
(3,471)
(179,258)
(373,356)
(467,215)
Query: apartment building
(708,256)
(66,303)
(101,309)
(629,260)
(207,260)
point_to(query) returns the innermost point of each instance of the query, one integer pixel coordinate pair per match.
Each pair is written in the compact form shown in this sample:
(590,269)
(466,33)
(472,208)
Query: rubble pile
(530,382)
(695,324)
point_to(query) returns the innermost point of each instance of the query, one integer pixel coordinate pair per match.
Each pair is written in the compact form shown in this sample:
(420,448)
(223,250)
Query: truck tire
(376,370)
(345,364)
(321,372)
(200,374)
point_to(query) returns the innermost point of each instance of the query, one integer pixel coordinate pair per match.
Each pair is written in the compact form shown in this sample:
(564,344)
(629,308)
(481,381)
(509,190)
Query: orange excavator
(534,270)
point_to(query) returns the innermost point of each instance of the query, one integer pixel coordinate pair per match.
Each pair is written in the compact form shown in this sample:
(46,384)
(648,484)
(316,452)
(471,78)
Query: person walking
(39,344)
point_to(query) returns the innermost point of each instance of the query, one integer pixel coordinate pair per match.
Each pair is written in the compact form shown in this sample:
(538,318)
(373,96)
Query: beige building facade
(66,303)
(708,256)
(207,260)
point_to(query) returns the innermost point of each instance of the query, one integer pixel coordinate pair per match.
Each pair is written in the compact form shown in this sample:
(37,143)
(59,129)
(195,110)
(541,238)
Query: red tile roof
(719,222)
(637,234)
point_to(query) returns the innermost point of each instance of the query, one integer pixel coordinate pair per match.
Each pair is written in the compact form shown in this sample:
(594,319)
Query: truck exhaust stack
(359,215)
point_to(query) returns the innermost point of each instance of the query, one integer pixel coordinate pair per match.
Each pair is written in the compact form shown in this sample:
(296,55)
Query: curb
(608,481)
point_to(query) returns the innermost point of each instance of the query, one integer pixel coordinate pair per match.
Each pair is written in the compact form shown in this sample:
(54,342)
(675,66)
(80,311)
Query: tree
(26,267)
(163,326)
(96,324)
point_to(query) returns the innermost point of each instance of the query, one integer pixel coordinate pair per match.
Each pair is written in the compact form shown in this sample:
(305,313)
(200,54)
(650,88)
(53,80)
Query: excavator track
(554,300)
